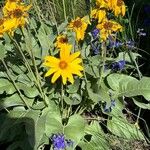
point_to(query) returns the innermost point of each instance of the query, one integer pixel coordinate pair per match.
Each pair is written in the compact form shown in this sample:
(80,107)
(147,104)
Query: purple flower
(113,103)
(108,108)
(118,65)
(130,44)
(114,43)
(140,32)
(95,33)
(59,142)
(96,48)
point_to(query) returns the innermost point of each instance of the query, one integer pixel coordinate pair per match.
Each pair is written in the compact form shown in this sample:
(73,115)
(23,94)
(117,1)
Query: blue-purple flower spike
(130,44)
(95,33)
(114,43)
(96,48)
(118,65)
(60,143)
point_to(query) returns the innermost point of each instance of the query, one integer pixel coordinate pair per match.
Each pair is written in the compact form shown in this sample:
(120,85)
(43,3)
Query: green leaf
(6,86)
(2,51)
(74,130)
(39,129)
(122,128)
(73,99)
(30,92)
(14,100)
(128,86)
(141,105)
(7,125)
(126,57)
(98,140)
(92,70)
(18,69)
(53,124)
(95,97)
(62,26)
(34,128)
(73,88)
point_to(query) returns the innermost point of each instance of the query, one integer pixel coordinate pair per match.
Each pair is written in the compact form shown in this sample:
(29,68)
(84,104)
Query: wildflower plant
(56,79)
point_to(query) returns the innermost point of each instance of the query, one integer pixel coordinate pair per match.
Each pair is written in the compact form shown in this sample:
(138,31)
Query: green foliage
(88,112)
(128,86)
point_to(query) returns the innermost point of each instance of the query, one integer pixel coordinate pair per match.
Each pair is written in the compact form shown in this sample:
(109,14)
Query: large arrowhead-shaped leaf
(120,127)
(129,86)
(98,139)
(53,124)
(74,130)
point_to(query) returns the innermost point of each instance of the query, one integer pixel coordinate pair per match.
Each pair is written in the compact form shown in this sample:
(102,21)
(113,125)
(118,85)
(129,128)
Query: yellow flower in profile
(17,12)
(107,28)
(1,27)
(98,14)
(118,6)
(65,66)
(62,41)
(79,25)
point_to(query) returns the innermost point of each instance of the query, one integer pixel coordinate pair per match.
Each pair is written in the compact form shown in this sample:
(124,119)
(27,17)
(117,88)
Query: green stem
(64,9)
(72,5)
(62,97)
(140,77)
(103,59)
(36,76)
(27,65)
(16,87)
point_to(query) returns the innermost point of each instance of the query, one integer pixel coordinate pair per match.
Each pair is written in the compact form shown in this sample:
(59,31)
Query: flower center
(63,65)
(63,40)
(108,25)
(77,23)
(119,2)
(1,22)
(17,13)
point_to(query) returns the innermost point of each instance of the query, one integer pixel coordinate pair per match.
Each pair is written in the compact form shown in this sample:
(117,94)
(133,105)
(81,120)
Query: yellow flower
(107,27)
(1,27)
(103,4)
(62,41)
(79,26)
(118,6)
(16,11)
(98,14)
(7,26)
(65,66)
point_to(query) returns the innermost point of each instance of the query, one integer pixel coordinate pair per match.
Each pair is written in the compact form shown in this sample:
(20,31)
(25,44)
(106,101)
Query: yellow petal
(51,61)
(70,78)
(64,77)
(55,76)
(123,10)
(51,71)
(73,56)
(65,51)
(77,61)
